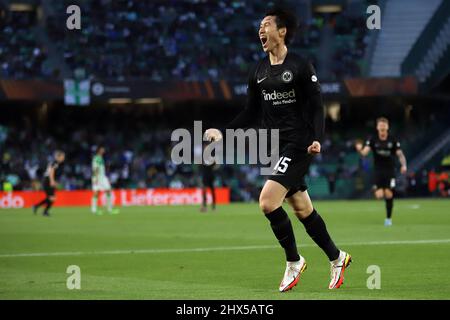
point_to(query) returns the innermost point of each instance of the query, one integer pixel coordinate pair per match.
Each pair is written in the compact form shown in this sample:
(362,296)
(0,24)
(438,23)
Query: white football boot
(292,274)
(338,267)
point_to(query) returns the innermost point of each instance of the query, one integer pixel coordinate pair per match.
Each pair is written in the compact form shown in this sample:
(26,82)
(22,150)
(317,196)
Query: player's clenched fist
(314,148)
(213,135)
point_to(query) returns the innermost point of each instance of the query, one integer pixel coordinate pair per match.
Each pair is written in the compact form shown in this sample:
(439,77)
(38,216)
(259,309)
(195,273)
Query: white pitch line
(212,249)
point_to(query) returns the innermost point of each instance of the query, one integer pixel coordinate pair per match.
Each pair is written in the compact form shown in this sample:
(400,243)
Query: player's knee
(388,194)
(267,206)
(379,194)
(303,211)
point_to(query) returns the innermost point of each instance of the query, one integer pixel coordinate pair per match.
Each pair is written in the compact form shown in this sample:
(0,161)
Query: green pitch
(180,253)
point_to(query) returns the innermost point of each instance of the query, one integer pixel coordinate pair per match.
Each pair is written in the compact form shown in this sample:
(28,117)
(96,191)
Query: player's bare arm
(402,159)
(52,176)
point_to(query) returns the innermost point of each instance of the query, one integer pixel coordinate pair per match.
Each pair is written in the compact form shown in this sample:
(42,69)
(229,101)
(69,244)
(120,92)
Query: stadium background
(139,69)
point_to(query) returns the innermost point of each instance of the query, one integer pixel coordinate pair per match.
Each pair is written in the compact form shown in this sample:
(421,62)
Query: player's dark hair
(285,19)
(382,119)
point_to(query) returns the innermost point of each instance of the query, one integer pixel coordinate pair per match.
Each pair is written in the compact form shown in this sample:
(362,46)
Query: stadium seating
(21,55)
(139,157)
(175,41)
(399,33)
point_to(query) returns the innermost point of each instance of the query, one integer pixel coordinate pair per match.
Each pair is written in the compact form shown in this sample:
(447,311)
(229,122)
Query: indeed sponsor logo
(275,95)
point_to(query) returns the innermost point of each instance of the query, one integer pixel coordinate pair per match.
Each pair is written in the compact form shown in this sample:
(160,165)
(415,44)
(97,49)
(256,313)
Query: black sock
(213,193)
(204,198)
(317,230)
(389,206)
(41,203)
(282,228)
(49,205)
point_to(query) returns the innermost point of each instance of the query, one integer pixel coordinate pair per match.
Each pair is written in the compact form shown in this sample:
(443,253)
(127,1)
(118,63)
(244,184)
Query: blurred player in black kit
(207,172)
(385,149)
(51,175)
(284,91)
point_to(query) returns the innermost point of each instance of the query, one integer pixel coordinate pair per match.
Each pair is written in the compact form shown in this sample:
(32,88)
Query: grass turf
(227,254)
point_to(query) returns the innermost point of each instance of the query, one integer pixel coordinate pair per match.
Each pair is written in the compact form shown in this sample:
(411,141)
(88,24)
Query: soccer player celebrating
(385,148)
(100,182)
(53,172)
(283,88)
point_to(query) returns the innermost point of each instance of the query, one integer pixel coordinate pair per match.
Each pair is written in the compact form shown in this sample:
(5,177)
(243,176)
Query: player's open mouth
(263,40)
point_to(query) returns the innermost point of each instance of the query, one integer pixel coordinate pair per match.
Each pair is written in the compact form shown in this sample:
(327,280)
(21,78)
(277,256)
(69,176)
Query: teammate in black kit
(207,171)
(385,148)
(284,91)
(54,170)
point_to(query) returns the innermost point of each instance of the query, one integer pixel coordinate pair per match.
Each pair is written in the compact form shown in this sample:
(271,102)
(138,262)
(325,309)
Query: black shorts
(384,180)
(208,182)
(291,169)
(49,190)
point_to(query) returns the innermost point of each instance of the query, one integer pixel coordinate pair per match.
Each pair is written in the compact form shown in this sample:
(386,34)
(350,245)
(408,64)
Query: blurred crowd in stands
(21,54)
(138,155)
(167,40)
(133,160)
(164,40)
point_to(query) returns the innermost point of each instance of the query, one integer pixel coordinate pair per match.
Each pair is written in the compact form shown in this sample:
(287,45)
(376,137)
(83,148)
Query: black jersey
(384,153)
(285,97)
(58,171)
(207,172)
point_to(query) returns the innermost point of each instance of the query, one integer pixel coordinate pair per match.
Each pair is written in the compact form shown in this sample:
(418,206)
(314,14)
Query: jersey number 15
(282,164)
